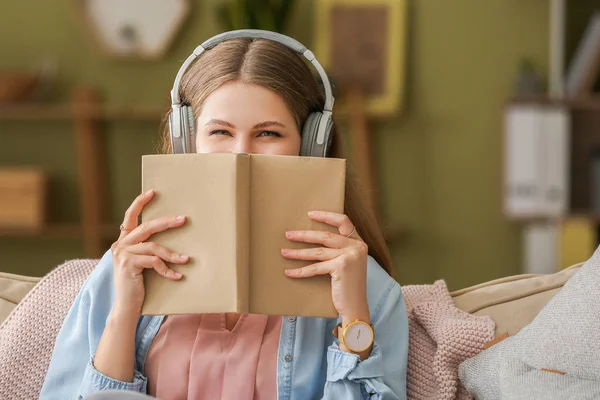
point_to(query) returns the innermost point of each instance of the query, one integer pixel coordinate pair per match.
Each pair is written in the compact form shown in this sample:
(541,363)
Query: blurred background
(473,123)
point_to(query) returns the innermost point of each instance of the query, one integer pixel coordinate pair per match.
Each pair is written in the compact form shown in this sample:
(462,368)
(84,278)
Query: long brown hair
(279,69)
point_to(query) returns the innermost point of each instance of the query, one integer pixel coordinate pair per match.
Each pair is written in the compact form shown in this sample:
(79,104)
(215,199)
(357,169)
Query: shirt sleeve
(71,374)
(383,374)
(94,381)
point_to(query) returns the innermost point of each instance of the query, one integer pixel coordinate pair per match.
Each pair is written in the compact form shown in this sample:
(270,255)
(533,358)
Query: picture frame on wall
(120,31)
(363,43)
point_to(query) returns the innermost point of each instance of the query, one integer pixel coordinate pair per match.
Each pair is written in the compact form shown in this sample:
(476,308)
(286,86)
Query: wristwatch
(357,336)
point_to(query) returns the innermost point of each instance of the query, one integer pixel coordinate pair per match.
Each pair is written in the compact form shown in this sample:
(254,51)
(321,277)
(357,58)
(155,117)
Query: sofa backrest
(514,301)
(12,290)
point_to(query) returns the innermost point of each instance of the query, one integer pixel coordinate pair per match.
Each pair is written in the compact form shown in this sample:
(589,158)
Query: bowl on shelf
(18,86)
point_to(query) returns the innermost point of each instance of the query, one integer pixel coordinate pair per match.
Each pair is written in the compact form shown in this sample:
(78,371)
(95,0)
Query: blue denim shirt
(309,364)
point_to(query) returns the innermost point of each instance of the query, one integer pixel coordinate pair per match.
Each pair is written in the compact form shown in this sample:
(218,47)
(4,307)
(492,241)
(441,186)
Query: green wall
(440,162)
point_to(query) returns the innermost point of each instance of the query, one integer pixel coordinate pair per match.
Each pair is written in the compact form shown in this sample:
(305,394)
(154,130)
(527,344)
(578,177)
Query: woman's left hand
(343,256)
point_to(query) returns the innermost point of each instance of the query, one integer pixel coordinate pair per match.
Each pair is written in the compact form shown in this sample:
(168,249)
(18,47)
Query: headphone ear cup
(186,142)
(191,133)
(309,135)
(191,120)
(328,137)
(177,127)
(181,140)
(310,131)
(171,133)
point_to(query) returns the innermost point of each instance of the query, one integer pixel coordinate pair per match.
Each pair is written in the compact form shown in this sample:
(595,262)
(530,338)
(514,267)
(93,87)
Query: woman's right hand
(132,254)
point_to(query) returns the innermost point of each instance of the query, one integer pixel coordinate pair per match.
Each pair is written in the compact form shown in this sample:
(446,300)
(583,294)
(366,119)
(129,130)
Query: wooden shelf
(590,215)
(85,112)
(31,112)
(58,231)
(591,102)
(66,112)
(52,231)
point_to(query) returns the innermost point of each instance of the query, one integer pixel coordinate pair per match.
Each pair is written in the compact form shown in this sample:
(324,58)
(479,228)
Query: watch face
(359,336)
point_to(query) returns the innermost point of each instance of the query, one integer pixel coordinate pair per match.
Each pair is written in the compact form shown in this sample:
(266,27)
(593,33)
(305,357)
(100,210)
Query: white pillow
(564,336)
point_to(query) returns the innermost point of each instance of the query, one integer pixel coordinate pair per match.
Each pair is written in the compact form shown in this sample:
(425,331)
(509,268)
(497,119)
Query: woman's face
(246,118)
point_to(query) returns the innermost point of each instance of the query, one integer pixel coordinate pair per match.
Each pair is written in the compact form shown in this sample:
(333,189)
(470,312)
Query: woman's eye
(219,132)
(270,133)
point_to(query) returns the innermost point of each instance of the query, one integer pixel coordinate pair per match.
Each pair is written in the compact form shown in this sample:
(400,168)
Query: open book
(238,208)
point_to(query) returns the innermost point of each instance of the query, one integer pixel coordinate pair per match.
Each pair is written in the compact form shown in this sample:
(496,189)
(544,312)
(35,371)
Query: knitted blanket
(27,335)
(441,336)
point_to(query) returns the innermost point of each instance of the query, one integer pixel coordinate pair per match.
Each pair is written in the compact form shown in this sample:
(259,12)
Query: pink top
(195,357)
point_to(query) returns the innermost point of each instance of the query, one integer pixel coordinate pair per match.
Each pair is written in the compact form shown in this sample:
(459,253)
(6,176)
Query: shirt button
(292,319)
(288,357)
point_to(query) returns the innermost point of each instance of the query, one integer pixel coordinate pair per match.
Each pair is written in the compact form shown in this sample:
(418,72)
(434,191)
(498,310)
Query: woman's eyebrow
(219,122)
(266,124)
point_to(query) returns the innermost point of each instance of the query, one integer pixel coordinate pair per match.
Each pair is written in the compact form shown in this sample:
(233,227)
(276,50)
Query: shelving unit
(86,113)
(558,240)
(584,139)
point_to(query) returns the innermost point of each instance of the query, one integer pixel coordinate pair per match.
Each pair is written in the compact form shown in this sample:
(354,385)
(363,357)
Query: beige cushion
(12,290)
(514,301)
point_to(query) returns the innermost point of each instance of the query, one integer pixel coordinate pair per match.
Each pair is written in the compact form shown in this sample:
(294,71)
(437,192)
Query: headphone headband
(284,40)
(316,132)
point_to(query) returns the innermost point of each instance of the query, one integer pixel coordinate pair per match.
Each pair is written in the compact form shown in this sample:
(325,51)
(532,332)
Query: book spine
(242,232)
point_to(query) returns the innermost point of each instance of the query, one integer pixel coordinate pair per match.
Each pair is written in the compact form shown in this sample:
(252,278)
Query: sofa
(12,290)
(510,302)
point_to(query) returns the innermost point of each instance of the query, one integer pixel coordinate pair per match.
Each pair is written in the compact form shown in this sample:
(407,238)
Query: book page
(203,187)
(283,189)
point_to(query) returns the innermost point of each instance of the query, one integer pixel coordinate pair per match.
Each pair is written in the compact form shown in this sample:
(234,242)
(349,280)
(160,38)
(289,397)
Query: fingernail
(284,251)
(183,257)
(149,192)
(312,213)
(178,274)
(290,272)
(289,234)
(180,218)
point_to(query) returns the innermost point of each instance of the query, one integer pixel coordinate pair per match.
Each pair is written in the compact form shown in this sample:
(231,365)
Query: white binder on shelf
(523,180)
(536,161)
(557,149)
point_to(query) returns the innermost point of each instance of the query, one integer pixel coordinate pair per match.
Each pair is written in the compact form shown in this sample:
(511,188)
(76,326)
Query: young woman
(249,94)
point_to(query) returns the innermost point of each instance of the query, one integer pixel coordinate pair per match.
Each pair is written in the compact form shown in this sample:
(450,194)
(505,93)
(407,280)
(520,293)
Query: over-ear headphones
(316,130)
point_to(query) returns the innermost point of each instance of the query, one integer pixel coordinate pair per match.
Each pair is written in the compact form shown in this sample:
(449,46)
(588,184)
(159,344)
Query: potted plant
(271,15)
